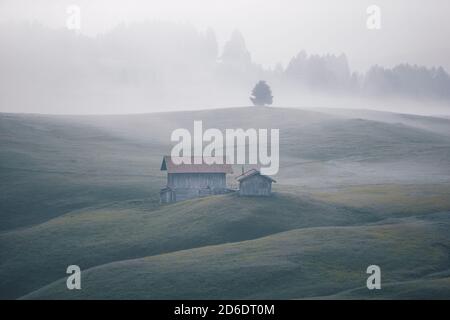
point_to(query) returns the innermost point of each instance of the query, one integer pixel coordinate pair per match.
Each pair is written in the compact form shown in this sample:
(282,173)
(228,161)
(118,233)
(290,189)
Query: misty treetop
(235,50)
(261,94)
(407,80)
(164,64)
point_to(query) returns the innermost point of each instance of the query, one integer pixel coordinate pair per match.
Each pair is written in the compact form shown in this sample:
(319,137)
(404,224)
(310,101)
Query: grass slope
(84,190)
(297,263)
(52,165)
(428,288)
(32,257)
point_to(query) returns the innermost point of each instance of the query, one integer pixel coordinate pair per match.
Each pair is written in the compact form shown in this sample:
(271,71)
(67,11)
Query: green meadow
(355,188)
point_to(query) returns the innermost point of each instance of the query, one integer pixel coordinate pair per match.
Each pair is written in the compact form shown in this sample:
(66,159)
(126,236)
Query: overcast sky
(414,31)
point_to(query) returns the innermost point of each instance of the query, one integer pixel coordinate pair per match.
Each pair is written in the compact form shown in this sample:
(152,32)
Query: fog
(147,56)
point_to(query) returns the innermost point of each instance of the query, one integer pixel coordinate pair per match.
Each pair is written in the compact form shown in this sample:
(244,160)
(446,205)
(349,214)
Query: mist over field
(355,188)
(86,117)
(133,62)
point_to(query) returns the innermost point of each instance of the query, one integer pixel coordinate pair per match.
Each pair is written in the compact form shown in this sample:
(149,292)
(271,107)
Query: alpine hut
(253,183)
(186,181)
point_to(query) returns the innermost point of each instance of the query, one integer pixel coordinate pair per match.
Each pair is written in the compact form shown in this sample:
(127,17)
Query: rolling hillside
(303,262)
(353,189)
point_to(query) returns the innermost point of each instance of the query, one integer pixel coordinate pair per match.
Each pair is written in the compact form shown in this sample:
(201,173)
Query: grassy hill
(51,165)
(430,289)
(84,190)
(126,230)
(303,262)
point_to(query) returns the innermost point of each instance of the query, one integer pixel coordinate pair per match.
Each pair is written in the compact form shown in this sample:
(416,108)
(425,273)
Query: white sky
(414,31)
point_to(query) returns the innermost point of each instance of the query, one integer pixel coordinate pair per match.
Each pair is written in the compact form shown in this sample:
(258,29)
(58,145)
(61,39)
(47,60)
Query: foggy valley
(162,66)
(86,177)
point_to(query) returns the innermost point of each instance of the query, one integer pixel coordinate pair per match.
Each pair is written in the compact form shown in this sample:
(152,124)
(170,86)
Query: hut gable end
(253,183)
(185,181)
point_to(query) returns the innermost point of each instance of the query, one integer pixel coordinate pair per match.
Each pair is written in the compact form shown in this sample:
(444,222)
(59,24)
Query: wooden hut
(253,183)
(186,181)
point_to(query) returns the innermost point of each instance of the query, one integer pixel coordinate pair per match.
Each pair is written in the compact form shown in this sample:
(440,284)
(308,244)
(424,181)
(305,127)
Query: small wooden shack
(186,181)
(253,183)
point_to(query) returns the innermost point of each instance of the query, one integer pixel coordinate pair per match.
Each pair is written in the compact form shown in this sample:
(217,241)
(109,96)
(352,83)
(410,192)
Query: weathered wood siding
(196,180)
(255,186)
(183,186)
(166,196)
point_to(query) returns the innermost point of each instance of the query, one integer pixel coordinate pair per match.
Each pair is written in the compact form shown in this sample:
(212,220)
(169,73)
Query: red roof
(251,173)
(171,167)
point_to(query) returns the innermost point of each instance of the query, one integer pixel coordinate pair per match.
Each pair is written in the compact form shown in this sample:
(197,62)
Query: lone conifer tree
(261,94)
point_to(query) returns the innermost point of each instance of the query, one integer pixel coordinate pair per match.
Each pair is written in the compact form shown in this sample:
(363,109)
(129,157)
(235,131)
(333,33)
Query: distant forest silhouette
(157,64)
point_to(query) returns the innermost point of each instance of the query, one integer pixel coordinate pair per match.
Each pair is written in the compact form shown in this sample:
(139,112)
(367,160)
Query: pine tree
(261,94)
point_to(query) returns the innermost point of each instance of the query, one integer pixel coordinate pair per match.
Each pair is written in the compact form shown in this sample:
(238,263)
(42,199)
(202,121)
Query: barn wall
(255,186)
(197,180)
(166,196)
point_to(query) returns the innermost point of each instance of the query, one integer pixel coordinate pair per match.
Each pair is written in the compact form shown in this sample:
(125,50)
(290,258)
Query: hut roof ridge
(252,172)
(193,167)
